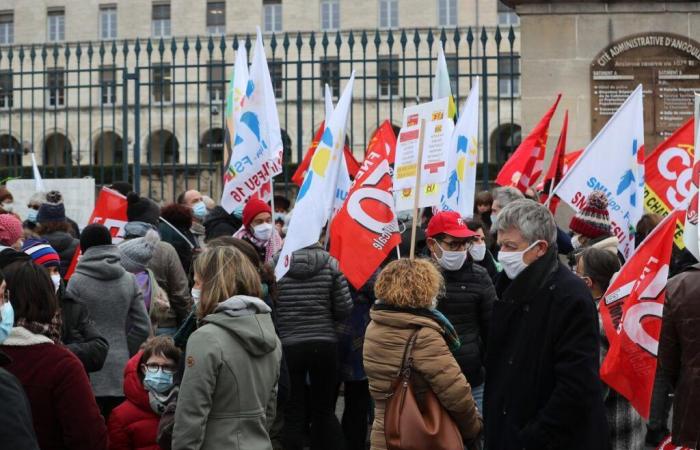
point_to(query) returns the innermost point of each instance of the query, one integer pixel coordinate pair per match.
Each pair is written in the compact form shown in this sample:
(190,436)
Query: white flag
(458,192)
(613,163)
(315,199)
(691,234)
(38,181)
(441,83)
(343,186)
(234,98)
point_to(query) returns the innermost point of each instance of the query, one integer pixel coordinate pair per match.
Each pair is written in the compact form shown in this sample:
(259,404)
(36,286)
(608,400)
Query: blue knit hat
(53,210)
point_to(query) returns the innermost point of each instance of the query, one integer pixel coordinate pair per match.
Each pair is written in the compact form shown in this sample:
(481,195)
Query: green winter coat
(228,393)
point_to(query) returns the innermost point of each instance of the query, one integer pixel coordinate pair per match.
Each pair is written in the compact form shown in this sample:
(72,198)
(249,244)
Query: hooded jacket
(116,305)
(313,297)
(220,223)
(133,425)
(227,397)
(65,245)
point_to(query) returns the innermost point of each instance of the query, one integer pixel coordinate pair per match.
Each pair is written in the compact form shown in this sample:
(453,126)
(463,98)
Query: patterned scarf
(271,247)
(51,330)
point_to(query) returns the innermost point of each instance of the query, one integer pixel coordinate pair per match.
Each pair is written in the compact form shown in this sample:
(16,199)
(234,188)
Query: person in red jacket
(64,410)
(148,387)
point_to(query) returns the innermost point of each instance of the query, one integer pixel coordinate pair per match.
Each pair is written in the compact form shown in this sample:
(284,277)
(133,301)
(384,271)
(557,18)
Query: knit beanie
(10,229)
(141,209)
(53,210)
(37,198)
(123,187)
(41,252)
(93,235)
(254,207)
(592,220)
(136,253)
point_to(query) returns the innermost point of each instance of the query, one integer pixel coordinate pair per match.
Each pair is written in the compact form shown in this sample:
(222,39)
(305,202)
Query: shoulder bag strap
(407,360)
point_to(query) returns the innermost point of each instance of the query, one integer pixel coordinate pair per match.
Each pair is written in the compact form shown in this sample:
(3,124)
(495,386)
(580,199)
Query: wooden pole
(417,190)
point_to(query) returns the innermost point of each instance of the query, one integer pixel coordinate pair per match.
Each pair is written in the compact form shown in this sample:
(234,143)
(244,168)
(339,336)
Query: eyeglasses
(453,245)
(153,368)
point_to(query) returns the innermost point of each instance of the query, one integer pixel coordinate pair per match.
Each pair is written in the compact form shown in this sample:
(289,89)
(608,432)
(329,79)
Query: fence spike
(497,37)
(351,40)
(363,40)
(324,41)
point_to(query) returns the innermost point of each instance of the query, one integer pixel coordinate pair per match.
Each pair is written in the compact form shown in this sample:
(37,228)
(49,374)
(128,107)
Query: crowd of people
(180,337)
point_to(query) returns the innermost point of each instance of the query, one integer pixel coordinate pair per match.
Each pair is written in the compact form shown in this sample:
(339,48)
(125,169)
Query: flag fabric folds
(691,231)
(234,99)
(441,83)
(556,167)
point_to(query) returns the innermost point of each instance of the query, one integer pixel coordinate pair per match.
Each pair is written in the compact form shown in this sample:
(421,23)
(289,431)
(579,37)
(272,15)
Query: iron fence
(153,111)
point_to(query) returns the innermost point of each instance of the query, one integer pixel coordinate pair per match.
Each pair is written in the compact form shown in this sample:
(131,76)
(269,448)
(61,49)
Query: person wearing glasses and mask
(468,296)
(542,384)
(149,386)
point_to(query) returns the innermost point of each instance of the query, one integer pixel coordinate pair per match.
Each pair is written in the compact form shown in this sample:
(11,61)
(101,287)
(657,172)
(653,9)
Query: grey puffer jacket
(312,297)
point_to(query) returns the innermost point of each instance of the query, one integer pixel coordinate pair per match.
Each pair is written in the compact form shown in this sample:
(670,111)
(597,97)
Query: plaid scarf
(51,330)
(271,247)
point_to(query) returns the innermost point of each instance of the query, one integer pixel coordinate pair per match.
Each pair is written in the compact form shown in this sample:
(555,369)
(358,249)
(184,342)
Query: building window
(108,22)
(161,87)
(55,85)
(388,75)
(277,77)
(108,84)
(509,75)
(330,74)
(216,18)
(330,14)
(7,28)
(160,20)
(388,13)
(216,80)
(6,89)
(507,16)
(272,15)
(56,25)
(447,13)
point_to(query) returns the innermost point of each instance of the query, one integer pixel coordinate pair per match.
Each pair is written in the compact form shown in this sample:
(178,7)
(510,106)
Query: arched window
(504,140)
(10,151)
(163,147)
(57,150)
(108,149)
(211,148)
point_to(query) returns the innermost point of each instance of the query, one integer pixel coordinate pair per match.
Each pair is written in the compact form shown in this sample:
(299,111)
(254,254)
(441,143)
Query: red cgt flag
(524,166)
(666,444)
(350,161)
(365,229)
(631,312)
(384,134)
(556,167)
(110,211)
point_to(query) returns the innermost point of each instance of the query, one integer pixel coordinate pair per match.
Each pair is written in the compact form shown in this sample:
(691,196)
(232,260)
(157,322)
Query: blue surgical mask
(159,382)
(7,320)
(200,210)
(32,214)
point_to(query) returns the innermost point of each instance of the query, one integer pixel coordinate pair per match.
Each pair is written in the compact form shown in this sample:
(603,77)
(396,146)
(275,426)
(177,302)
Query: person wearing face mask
(258,229)
(33,205)
(468,296)
(543,388)
(194,200)
(479,252)
(149,386)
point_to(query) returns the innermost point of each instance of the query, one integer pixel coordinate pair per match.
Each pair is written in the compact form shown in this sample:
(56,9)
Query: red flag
(110,211)
(385,134)
(365,230)
(570,159)
(631,311)
(350,161)
(556,167)
(666,444)
(524,166)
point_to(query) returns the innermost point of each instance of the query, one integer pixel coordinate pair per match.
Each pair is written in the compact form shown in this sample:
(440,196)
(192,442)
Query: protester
(258,230)
(679,354)
(115,304)
(11,234)
(542,384)
(596,267)
(176,222)
(78,331)
(482,207)
(406,291)
(591,225)
(16,429)
(33,205)
(220,223)
(314,288)
(142,215)
(209,203)
(65,414)
(646,224)
(234,407)
(479,251)
(195,201)
(6,201)
(149,387)
(53,226)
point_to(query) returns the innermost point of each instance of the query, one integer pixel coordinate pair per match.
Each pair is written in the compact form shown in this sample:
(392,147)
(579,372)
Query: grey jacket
(228,393)
(312,298)
(116,306)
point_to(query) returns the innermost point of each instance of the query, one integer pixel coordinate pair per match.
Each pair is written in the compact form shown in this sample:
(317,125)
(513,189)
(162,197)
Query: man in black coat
(469,294)
(542,385)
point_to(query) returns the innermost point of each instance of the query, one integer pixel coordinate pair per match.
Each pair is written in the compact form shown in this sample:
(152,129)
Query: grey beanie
(136,253)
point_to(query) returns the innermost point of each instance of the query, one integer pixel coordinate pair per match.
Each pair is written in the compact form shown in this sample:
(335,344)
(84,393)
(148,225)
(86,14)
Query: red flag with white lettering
(365,229)
(631,312)
(666,444)
(110,211)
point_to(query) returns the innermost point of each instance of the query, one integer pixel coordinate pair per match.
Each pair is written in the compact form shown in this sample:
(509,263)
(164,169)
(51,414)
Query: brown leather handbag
(408,426)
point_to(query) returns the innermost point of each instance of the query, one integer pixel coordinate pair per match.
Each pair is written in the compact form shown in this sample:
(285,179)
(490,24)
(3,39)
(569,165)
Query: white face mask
(451,260)
(478,251)
(575,243)
(263,232)
(8,207)
(56,279)
(513,262)
(196,294)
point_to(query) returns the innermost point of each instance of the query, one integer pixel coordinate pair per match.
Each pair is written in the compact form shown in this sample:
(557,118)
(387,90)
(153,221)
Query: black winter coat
(16,426)
(313,296)
(80,336)
(65,245)
(542,385)
(467,303)
(220,223)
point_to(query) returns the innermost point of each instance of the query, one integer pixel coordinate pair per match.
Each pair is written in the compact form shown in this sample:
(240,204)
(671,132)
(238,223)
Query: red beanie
(254,207)
(10,229)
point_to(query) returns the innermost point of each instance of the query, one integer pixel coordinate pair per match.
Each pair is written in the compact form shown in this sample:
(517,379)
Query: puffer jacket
(133,425)
(434,368)
(65,245)
(312,298)
(467,303)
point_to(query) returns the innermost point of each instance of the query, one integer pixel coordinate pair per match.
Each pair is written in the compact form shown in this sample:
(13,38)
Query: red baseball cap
(449,223)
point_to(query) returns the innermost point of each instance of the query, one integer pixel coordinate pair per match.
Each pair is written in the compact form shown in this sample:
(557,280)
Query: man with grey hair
(542,383)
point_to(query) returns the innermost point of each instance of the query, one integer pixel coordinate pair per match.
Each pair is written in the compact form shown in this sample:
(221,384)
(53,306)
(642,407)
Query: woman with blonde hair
(406,291)
(228,392)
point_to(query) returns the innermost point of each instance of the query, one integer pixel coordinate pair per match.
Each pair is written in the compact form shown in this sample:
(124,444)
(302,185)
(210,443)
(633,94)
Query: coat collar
(397,319)
(21,337)
(530,280)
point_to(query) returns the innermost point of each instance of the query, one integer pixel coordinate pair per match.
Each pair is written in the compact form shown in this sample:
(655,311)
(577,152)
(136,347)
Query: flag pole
(416,194)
